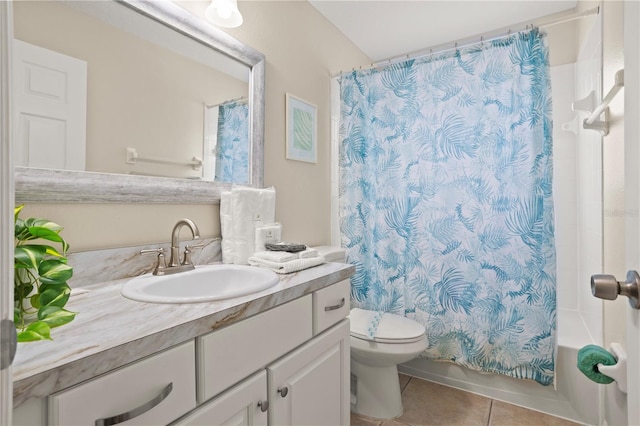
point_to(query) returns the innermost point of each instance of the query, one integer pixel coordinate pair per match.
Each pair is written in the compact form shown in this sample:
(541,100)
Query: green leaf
(55,316)
(48,250)
(46,233)
(21,231)
(43,223)
(22,291)
(16,211)
(35,301)
(28,256)
(38,330)
(52,271)
(55,296)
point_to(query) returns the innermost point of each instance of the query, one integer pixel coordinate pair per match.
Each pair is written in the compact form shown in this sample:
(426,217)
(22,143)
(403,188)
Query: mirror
(135,111)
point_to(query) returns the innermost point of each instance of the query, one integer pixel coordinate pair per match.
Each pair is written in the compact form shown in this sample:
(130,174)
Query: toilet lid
(391,328)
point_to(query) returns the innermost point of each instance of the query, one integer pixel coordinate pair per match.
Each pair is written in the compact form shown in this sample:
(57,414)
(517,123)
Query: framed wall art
(301,130)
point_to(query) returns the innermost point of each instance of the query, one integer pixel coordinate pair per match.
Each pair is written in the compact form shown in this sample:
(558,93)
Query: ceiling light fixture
(224,13)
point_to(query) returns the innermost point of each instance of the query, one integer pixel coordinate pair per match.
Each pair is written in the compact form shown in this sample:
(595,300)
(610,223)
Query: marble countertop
(111,331)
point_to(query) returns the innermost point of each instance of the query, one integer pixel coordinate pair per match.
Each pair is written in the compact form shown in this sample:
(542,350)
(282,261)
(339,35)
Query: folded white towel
(251,208)
(227,244)
(267,234)
(287,267)
(275,256)
(241,211)
(308,253)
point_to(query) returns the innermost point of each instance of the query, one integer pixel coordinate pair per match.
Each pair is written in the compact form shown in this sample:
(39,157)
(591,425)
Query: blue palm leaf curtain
(446,204)
(232,155)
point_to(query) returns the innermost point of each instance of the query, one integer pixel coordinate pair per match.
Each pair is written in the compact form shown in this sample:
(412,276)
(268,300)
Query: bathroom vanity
(280,356)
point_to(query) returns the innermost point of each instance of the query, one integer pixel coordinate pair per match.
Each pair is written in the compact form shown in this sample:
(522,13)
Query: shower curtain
(445,201)
(232,155)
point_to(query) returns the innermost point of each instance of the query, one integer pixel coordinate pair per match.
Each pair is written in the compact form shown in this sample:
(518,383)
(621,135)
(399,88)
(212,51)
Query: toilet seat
(391,328)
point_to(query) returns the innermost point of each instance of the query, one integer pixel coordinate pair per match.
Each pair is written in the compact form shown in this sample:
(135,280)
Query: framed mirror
(156,106)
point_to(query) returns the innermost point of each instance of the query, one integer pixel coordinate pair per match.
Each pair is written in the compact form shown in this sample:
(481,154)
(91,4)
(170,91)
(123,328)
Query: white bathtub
(576,398)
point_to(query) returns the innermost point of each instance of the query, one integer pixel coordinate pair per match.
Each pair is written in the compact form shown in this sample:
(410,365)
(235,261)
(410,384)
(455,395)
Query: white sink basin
(203,284)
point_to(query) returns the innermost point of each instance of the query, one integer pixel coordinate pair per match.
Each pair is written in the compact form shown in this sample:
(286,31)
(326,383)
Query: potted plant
(40,279)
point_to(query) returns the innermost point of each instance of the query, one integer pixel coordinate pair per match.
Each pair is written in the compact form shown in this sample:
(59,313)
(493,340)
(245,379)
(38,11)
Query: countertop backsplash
(97,266)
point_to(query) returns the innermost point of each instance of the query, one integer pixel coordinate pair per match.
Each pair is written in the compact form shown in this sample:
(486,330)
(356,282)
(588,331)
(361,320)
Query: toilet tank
(333,254)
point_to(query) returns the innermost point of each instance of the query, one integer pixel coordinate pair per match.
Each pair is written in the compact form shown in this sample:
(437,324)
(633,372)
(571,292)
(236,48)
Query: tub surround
(111,331)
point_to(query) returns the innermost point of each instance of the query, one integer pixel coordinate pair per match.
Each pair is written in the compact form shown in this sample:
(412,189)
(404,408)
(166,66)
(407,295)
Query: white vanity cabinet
(288,365)
(155,390)
(307,373)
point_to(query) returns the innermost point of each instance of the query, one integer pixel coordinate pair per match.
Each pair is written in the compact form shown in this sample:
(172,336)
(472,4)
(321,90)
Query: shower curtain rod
(242,98)
(494,35)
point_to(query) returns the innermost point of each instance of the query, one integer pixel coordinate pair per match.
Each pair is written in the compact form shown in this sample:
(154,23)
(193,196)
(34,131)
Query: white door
(310,386)
(49,108)
(6,221)
(632,194)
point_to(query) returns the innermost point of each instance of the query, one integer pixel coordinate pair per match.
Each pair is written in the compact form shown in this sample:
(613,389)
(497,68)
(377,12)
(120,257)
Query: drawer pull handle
(264,405)
(283,391)
(334,307)
(120,418)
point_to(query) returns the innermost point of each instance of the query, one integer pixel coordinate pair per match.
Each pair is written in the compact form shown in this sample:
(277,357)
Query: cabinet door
(241,405)
(310,386)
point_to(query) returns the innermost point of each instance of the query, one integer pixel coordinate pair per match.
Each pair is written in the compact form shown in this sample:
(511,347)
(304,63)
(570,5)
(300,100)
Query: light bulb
(224,9)
(224,13)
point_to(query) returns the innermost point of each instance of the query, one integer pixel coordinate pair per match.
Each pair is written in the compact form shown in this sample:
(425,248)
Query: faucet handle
(162,264)
(187,253)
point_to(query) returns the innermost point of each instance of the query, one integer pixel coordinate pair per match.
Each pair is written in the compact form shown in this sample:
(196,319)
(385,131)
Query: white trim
(632,195)
(6,203)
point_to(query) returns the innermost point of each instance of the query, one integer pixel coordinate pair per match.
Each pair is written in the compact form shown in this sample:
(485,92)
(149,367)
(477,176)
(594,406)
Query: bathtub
(575,398)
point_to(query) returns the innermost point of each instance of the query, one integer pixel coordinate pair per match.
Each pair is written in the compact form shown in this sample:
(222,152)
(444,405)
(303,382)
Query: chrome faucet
(174,260)
(175,264)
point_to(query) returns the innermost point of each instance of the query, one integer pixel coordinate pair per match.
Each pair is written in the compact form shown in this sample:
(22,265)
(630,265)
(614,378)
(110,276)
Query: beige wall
(301,50)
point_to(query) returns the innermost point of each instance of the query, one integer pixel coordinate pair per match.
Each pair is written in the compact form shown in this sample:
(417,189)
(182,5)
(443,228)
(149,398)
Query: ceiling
(385,29)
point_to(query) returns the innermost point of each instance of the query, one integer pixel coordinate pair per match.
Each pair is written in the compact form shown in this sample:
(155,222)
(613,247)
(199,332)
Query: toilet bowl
(375,386)
(379,342)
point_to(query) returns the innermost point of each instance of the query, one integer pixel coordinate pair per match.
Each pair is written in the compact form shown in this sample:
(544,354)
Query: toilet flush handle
(607,287)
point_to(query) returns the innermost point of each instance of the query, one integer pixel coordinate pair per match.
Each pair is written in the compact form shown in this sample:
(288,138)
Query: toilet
(375,388)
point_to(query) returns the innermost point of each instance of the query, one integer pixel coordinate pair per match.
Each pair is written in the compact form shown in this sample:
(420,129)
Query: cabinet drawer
(163,384)
(229,355)
(330,305)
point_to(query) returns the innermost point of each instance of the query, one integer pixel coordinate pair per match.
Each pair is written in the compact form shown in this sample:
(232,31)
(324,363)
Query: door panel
(632,195)
(49,102)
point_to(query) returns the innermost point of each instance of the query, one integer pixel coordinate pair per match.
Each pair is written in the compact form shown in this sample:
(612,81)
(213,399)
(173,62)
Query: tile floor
(427,403)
